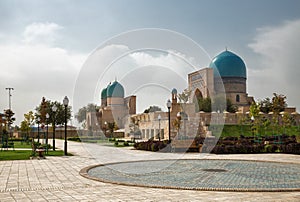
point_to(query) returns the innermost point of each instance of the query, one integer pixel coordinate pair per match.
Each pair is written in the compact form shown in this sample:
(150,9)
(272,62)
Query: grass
(25,154)
(237,130)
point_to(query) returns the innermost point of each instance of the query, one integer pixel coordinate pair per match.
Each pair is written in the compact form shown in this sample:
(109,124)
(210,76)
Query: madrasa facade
(226,74)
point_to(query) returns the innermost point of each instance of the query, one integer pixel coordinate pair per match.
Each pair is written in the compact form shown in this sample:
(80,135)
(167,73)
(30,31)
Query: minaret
(174,96)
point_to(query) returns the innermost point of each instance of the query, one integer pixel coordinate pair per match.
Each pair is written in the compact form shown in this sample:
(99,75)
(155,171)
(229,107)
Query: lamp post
(54,108)
(169,104)
(159,118)
(105,123)
(66,102)
(38,122)
(252,121)
(47,119)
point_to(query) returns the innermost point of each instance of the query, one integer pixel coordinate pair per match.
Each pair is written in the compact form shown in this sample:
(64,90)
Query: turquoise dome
(174,91)
(229,65)
(104,93)
(115,90)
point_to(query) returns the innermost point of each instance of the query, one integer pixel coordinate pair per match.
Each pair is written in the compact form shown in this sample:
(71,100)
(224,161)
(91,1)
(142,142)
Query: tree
(278,103)
(265,105)
(112,126)
(27,123)
(230,107)
(8,113)
(55,118)
(254,110)
(81,114)
(204,104)
(152,109)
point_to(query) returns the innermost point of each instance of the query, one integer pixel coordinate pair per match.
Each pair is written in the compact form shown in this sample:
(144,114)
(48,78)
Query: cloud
(37,33)
(278,65)
(35,67)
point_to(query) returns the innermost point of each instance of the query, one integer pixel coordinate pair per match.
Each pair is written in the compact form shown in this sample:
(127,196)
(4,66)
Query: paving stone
(58,179)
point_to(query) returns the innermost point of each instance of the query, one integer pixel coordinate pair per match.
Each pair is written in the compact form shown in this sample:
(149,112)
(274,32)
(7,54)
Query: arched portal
(198,94)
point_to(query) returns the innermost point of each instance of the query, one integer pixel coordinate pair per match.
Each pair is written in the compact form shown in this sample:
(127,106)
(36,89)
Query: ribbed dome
(115,90)
(229,65)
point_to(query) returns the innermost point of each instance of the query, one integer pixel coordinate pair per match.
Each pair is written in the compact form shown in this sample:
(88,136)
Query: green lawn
(24,154)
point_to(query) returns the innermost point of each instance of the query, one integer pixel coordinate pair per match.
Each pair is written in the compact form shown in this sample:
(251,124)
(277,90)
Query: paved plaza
(58,178)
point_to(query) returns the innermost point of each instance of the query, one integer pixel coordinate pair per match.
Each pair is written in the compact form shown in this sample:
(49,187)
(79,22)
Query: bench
(8,145)
(185,144)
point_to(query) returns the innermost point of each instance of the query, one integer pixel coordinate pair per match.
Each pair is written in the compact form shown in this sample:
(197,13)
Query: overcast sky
(44,44)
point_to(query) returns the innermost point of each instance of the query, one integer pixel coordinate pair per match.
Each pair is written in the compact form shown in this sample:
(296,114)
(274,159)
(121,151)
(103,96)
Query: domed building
(227,74)
(114,108)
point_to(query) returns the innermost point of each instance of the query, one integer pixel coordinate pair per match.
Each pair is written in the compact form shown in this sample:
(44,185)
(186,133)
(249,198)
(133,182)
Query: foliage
(254,110)
(278,103)
(265,105)
(152,109)
(150,145)
(55,117)
(27,123)
(230,107)
(112,126)
(8,113)
(204,104)
(81,114)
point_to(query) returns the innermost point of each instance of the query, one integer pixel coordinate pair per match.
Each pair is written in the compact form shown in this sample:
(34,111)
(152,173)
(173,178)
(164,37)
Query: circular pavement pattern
(214,175)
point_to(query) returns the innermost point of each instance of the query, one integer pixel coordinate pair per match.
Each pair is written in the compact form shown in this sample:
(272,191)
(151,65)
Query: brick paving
(58,178)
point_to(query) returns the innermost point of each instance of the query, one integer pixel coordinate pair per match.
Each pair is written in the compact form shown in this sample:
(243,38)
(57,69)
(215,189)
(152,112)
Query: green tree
(8,113)
(265,105)
(55,117)
(204,104)
(152,109)
(81,114)
(254,112)
(27,123)
(230,107)
(278,103)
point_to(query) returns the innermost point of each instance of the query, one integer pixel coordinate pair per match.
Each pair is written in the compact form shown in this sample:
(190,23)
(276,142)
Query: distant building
(114,108)
(226,74)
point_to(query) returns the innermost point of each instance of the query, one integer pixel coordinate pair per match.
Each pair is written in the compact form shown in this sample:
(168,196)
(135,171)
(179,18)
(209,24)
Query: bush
(126,143)
(76,139)
(116,143)
(150,145)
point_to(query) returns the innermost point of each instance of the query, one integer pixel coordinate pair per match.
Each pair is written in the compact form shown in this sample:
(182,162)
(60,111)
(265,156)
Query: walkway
(58,179)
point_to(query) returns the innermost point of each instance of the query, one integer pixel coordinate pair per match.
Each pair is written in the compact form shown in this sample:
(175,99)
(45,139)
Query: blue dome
(104,93)
(174,91)
(115,90)
(229,65)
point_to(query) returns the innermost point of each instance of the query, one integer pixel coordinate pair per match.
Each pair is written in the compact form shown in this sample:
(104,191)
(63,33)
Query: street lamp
(105,123)
(169,104)
(159,118)
(54,108)
(66,102)
(252,121)
(47,120)
(38,122)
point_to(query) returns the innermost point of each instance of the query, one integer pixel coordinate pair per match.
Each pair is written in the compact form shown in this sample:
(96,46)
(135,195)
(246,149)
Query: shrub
(126,143)
(116,143)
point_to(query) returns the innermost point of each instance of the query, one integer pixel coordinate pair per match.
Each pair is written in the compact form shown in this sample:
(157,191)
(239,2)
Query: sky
(46,46)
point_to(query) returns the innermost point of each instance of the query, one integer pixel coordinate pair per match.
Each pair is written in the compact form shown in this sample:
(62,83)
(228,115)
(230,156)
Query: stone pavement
(58,179)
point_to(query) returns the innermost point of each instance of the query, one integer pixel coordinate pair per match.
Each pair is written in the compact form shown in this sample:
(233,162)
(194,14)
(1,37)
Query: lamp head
(66,101)
(169,104)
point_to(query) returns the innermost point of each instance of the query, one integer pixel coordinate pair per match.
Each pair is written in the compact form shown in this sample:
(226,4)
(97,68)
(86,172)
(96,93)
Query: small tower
(174,96)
